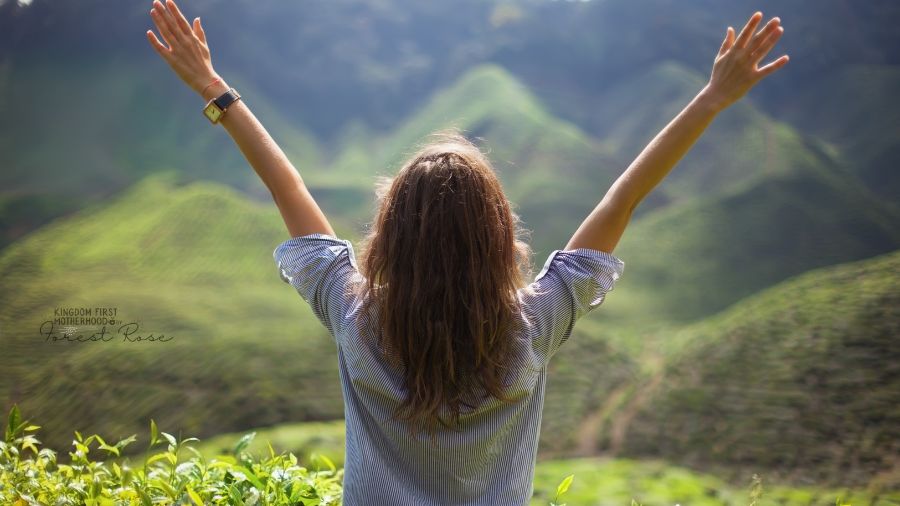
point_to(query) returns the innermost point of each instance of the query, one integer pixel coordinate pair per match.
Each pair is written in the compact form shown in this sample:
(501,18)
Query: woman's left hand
(187,52)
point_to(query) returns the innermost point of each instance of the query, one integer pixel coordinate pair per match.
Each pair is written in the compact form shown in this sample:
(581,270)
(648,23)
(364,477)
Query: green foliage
(561,489)
(165,476)
(756,490)
(173,471)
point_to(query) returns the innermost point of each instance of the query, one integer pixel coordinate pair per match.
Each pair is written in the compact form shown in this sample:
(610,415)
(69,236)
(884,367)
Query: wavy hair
(443,261)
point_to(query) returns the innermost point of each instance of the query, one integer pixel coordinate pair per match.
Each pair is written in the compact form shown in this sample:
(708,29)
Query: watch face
(212,112)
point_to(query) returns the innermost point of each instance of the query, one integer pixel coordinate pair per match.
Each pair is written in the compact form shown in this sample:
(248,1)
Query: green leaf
(225,461)
(164,485)
(196,453)
(564,485)
(158,456)
(326,460)
(170,438)
(243,443)
(14,419)
(127,441)
(194,496)
(154,433)
(252,478)
(145,497)
(30,442)
(110,449)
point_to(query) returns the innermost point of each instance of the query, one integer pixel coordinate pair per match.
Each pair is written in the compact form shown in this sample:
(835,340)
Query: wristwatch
(216,107)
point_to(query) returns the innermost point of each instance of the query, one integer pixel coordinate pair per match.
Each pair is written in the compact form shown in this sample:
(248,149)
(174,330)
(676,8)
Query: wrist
(213,87)
(708,99)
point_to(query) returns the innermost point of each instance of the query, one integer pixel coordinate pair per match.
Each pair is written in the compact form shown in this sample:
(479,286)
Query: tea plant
(33,476)
(165,477)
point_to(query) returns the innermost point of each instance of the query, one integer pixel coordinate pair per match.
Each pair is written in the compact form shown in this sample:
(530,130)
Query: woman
(442,346)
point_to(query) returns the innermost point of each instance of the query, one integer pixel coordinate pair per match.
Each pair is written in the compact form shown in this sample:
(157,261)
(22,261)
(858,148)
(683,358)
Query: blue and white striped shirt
(491,460)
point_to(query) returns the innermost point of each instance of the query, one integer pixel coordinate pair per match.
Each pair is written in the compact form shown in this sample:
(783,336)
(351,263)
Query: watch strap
(226,99)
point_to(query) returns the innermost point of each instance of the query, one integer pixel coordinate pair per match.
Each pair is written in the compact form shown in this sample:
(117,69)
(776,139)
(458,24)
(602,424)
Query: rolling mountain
(800,379)
(192,262)
(317,84)
(689,261)
(67,153)
(760,229)
(849,109)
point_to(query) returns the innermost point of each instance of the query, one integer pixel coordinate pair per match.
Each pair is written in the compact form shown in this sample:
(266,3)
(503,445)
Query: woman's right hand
(734,71)
(187,52)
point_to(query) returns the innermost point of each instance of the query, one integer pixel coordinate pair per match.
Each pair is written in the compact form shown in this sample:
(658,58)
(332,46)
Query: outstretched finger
(167,20)
(766,45)
(163,27)
(180,20)
(763,34)
(157,45)
(198,30)
(772,67)
(729,39)
(748,30)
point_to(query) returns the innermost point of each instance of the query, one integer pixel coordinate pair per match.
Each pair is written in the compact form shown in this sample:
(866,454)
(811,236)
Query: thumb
(198,30)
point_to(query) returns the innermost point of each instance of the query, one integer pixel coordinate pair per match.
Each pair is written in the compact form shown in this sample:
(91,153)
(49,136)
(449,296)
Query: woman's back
(490,458)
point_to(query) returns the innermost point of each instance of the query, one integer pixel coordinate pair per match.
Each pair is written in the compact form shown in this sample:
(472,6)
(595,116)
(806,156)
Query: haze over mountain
(314,82)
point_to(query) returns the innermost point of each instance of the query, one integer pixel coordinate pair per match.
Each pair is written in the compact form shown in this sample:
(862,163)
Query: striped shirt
(490,458)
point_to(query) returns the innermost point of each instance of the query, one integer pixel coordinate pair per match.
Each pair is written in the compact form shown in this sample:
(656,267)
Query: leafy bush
(164,478)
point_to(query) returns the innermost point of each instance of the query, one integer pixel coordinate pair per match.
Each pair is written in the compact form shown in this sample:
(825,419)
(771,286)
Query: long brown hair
(443,260)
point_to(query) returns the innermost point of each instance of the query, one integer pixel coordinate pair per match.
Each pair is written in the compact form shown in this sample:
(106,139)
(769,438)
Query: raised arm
(188,55)
(734,73)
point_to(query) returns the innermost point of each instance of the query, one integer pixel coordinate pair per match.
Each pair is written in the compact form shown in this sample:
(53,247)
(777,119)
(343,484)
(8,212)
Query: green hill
(544,162)
(140,251)
(800,379)
(694,259)
(122,126)
(740,145)
(193,262)
(854,109)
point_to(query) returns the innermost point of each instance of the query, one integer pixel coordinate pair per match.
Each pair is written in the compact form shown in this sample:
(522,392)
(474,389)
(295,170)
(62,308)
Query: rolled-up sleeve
(322,269)
(571,284)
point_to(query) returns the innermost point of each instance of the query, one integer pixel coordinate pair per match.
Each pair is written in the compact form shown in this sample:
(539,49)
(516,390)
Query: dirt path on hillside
(588,430)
